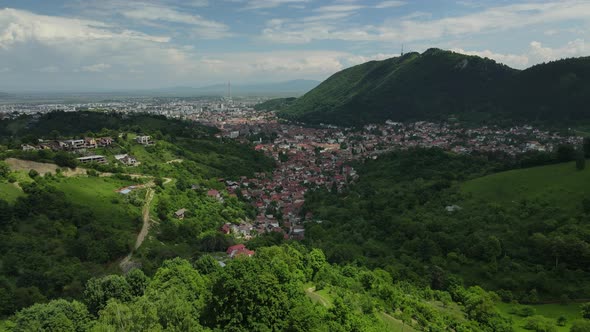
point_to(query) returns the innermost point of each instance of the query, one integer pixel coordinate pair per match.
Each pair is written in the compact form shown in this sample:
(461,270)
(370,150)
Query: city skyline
(67,45)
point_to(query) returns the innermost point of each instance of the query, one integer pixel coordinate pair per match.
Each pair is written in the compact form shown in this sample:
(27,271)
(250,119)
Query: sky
(97,45)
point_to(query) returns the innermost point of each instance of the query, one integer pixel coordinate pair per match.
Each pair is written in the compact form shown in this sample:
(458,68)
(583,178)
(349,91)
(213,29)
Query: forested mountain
(438,84)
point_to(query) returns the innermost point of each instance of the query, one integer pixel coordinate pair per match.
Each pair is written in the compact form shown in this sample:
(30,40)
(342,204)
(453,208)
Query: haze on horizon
(73,45)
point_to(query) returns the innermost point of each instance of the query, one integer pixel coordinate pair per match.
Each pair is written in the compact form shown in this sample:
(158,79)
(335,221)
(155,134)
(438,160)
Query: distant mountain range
(439,84)
(294,88)
(285,89)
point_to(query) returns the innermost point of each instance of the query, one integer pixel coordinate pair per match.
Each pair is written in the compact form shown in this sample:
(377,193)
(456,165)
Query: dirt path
(42,168)
(126,264)
(315,296)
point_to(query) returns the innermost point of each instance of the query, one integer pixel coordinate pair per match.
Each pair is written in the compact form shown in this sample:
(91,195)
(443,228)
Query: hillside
(431,217)
(560,185)
(438,84)
(59,227)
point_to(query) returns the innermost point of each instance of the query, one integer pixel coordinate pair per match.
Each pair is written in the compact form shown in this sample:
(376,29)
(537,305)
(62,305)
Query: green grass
(10,192)
(556,184)
(98,194)
(552,311)
(392,324)
(322,297)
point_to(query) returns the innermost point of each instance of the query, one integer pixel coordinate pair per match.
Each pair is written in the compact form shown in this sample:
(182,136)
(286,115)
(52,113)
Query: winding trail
(126,263)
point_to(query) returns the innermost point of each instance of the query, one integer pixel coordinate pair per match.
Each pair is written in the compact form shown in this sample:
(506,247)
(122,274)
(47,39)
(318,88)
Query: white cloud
(483,21)
(203,27)
(265,4)
(96,68)
(339,8)
(17,26)
(49,69)
(536,53)
(512,60)
(390,4)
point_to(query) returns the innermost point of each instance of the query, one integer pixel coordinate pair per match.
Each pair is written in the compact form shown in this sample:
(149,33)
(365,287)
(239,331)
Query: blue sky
(117,44)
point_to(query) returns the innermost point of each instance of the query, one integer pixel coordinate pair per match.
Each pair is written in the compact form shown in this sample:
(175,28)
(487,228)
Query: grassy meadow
(570,311)
(555,184)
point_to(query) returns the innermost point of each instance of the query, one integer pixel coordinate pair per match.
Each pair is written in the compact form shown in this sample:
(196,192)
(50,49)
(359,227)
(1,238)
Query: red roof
(234,248)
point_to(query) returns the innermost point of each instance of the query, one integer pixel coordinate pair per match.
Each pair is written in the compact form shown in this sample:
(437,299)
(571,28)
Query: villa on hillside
(126,160)
(92,159)
(239,250)
(180,213)
(144,140)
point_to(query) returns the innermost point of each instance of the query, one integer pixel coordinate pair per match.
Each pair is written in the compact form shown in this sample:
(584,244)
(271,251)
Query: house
(180,213)
(214,194)
(126,159)
(226,229)
(73,144)
(453,208)
(90,143)
(104,141)
(93,159)
(144,140)
(239,250)
(28,147)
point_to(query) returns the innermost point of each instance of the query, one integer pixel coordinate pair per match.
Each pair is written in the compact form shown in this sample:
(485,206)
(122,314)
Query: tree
(57,315)
(586,147)
(585,310)
(206,264)
(178,292)
(315,260)
(64,159)
(4,170)
(33,174)
(138,281)
(246,283)
(99,290)
(580,161)
(566,152)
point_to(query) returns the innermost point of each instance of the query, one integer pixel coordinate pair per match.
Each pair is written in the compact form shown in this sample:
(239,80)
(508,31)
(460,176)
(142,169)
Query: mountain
(437,84)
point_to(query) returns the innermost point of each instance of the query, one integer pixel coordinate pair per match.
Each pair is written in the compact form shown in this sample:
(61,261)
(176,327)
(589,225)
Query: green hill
(437,84)
(560,184)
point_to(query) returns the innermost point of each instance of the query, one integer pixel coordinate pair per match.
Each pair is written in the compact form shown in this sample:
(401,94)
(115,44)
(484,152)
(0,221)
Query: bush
(540,324)
(581,325)
(525,311)
(33,174)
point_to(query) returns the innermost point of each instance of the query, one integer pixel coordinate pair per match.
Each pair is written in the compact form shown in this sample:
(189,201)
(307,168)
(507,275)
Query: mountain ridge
(437,84)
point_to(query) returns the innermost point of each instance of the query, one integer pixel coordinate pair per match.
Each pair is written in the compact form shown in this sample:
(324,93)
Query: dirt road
(126,263)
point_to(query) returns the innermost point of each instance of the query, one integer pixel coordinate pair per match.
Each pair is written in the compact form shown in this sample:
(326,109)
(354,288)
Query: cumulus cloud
(536,53)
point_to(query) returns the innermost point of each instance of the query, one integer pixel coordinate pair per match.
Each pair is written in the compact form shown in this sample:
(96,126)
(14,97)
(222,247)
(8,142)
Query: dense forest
(438,84)
(268,292)
(418,224)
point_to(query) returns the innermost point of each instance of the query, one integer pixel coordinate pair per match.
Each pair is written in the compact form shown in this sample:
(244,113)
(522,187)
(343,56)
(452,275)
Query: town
(307,158)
